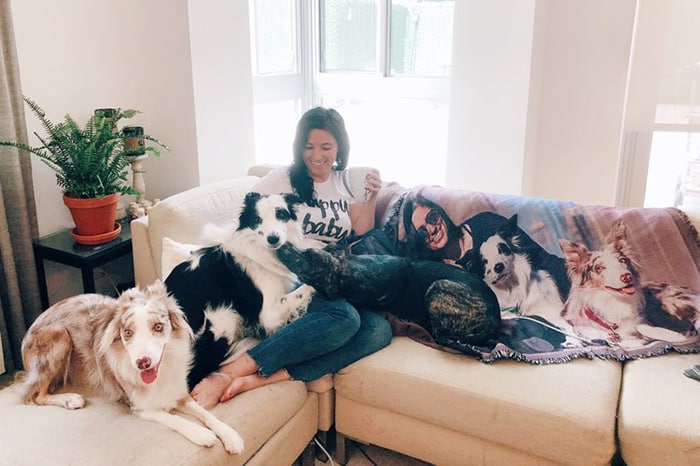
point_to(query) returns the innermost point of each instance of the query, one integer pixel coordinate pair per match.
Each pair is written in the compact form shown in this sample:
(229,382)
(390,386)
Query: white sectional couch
(443,408)
(451,409)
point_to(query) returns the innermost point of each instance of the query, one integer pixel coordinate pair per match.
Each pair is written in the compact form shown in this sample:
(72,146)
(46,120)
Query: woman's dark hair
(326,119)
(415,242)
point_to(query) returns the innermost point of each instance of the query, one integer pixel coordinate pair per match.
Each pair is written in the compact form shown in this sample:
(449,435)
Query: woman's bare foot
(210,389)
(233,378)
(249,382)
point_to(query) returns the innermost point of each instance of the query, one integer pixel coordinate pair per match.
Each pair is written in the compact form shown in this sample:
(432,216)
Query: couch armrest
(144,265)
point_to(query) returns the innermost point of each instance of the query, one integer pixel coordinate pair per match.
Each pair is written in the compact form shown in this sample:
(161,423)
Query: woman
(431,234)
(332,333)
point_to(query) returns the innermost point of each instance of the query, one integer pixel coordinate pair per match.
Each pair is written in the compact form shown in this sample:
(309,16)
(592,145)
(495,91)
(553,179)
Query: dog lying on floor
(455,306)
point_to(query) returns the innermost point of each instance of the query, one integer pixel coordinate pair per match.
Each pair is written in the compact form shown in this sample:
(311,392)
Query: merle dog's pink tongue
(628,289)
(149,375)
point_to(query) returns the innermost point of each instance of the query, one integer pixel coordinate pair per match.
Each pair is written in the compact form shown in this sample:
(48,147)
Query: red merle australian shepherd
(608,301)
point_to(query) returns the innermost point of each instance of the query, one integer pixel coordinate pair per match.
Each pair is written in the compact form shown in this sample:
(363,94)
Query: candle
(134,143)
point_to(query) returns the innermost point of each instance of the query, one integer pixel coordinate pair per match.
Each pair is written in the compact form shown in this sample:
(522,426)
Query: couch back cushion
(182,217)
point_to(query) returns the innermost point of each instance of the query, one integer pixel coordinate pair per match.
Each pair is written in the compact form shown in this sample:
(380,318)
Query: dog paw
(68,400)
(202,436)
(303,295)
(298,300)
(233,443)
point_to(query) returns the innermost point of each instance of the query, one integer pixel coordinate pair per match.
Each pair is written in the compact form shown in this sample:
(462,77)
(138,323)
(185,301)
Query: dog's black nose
(272,240)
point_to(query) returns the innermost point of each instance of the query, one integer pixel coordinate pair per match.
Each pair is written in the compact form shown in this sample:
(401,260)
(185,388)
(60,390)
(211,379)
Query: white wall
(489,90)
(223,89)
(584,71)
(84,54)
(537,97)
(79,55)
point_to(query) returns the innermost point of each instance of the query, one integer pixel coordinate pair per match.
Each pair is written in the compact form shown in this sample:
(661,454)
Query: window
(674,165)
(383,64)
(667,108)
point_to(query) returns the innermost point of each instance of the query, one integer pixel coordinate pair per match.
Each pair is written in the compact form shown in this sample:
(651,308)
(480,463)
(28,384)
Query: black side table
(61,247)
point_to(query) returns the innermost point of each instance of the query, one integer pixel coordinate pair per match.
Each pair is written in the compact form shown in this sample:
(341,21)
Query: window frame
(382,83)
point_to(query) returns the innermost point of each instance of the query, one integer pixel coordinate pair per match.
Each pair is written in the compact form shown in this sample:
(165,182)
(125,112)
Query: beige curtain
(19,289)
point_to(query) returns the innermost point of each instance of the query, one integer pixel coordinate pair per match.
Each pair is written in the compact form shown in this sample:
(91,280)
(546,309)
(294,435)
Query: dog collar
(594,317)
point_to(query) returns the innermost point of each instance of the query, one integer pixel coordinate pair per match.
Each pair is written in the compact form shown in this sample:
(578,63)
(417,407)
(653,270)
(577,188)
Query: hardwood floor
(367,455)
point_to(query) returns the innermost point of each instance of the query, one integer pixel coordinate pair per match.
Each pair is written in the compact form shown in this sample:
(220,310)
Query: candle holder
(135,152)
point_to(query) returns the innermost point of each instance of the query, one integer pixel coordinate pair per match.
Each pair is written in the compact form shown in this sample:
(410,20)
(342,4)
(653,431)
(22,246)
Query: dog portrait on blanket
(453,305)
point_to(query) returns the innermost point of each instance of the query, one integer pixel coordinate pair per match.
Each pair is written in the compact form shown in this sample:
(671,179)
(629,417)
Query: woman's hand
(362,213)
(373,183)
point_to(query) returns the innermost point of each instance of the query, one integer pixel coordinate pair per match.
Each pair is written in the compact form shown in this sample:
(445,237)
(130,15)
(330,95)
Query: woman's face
(319,154)
(430,226)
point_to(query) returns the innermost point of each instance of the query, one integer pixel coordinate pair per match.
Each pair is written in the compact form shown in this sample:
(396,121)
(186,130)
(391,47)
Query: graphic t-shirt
(328,220)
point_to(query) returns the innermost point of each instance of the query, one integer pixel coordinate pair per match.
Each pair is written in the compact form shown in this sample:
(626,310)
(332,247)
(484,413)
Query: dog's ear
(157,290)
(293,201)
(178,320)
(617,238)
(252,197)
(617,235)
(248,216)
(509,229)
(130,294)
(112,331)
(575,254)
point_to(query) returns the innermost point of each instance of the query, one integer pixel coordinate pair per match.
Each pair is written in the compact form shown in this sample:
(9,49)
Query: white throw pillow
(174,253)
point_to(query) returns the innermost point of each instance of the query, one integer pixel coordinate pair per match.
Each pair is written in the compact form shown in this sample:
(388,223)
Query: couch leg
(308,456)
(340,454)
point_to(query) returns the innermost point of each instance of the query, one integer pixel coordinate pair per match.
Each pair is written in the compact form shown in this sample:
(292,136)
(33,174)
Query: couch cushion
(182,216)
(660,411)
(173,253)
(107,433)
(563,412)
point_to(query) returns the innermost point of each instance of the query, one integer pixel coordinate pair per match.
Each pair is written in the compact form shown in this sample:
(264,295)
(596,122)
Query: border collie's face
(498,254)
(273,217)
(497,259)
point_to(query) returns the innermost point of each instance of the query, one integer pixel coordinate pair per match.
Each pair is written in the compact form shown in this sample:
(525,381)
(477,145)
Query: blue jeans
(330,336)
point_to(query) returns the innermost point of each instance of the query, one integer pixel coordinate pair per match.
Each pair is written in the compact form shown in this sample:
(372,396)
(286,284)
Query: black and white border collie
(520,286)
(237,291)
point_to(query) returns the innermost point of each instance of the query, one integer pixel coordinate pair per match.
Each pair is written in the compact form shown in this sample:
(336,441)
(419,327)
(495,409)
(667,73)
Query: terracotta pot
(94,216)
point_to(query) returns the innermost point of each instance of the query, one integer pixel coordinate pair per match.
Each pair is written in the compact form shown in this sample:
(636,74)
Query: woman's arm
(362,213)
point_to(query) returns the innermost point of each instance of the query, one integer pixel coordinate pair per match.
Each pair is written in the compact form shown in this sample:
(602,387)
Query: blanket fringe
(501,351)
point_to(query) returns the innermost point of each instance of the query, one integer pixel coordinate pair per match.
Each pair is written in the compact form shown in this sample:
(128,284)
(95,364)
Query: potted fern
(90,166)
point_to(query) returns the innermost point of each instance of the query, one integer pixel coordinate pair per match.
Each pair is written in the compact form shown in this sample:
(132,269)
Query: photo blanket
(572,280)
